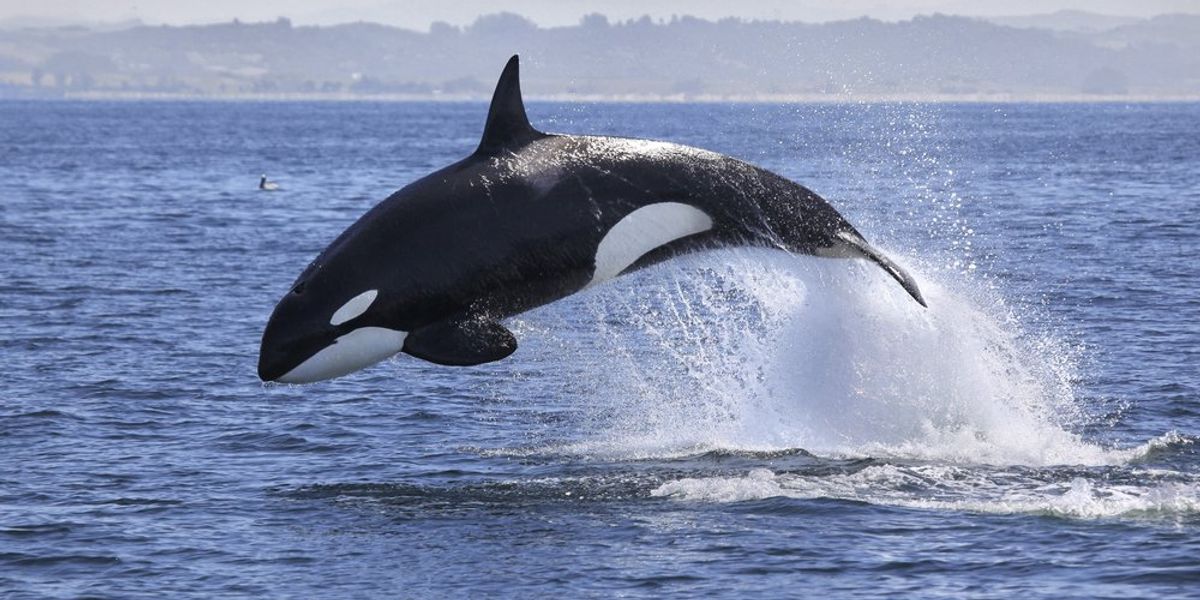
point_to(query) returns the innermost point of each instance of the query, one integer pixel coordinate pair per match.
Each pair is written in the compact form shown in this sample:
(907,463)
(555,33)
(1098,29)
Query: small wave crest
(1051,492)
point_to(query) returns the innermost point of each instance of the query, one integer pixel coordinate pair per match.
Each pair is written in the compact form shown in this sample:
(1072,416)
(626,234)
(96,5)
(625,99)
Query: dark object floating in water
(267,186)
(529,218)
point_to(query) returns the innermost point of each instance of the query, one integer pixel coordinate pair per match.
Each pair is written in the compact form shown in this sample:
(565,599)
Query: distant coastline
(936,58)
(629,99)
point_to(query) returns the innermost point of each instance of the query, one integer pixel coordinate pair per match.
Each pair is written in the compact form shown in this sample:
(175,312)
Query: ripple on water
(735,424)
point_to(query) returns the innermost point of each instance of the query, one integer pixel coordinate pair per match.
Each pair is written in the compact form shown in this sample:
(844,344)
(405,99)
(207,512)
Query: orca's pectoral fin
(893,269)
(461,342)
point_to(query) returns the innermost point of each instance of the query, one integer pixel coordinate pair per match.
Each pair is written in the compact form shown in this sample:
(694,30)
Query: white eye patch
(354,307)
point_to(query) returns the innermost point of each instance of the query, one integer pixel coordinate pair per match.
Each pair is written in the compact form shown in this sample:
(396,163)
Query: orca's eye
(299,289)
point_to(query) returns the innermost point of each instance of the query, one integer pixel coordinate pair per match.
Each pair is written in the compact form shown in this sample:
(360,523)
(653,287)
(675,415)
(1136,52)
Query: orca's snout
(279,353)
(272,364)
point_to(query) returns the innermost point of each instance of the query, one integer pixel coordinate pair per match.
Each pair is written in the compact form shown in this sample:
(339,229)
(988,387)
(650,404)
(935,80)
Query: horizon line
(67,23)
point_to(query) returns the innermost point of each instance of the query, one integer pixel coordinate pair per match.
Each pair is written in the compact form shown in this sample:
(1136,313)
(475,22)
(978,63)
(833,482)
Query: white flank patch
(358,349)
(643,230)
(354,307)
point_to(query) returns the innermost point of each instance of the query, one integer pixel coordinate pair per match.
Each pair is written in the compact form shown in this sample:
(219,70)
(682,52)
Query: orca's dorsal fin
(507,126)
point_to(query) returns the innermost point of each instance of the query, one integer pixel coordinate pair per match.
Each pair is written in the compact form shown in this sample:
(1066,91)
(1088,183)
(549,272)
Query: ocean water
(731,424)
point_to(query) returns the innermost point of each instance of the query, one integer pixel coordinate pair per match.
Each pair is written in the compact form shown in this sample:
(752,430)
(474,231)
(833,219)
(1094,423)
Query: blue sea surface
(732,424)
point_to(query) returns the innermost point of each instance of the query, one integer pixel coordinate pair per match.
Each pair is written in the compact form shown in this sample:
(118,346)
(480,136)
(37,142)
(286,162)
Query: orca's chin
(268,372)
(351,352)
(273,364)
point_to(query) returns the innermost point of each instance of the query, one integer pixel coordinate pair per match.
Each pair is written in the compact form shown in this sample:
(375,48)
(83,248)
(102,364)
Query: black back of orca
(529,218)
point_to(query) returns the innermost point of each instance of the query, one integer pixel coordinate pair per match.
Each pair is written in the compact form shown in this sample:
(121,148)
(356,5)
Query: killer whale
(527,219)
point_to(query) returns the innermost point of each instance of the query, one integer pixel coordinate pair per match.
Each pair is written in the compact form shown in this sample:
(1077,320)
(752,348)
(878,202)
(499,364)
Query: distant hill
(49,23)
(938,57)
(1066,20)
(1178,31)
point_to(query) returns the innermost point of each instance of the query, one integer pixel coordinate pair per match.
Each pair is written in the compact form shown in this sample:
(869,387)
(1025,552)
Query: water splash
(759,350)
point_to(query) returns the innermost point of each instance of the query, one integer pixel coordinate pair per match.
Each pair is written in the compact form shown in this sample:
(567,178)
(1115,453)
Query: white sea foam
(760,350)
(964,407)
(950,487)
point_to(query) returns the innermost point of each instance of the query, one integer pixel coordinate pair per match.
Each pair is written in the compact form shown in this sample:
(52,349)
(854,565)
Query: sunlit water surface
(730,424)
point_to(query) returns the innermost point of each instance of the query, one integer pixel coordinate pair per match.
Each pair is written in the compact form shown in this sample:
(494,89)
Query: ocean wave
(949,487)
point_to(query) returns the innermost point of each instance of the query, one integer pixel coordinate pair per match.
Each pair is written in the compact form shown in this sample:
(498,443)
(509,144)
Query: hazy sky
(418,14)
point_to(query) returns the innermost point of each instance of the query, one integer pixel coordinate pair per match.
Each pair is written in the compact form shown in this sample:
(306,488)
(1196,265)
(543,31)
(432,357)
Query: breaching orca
(529,218)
